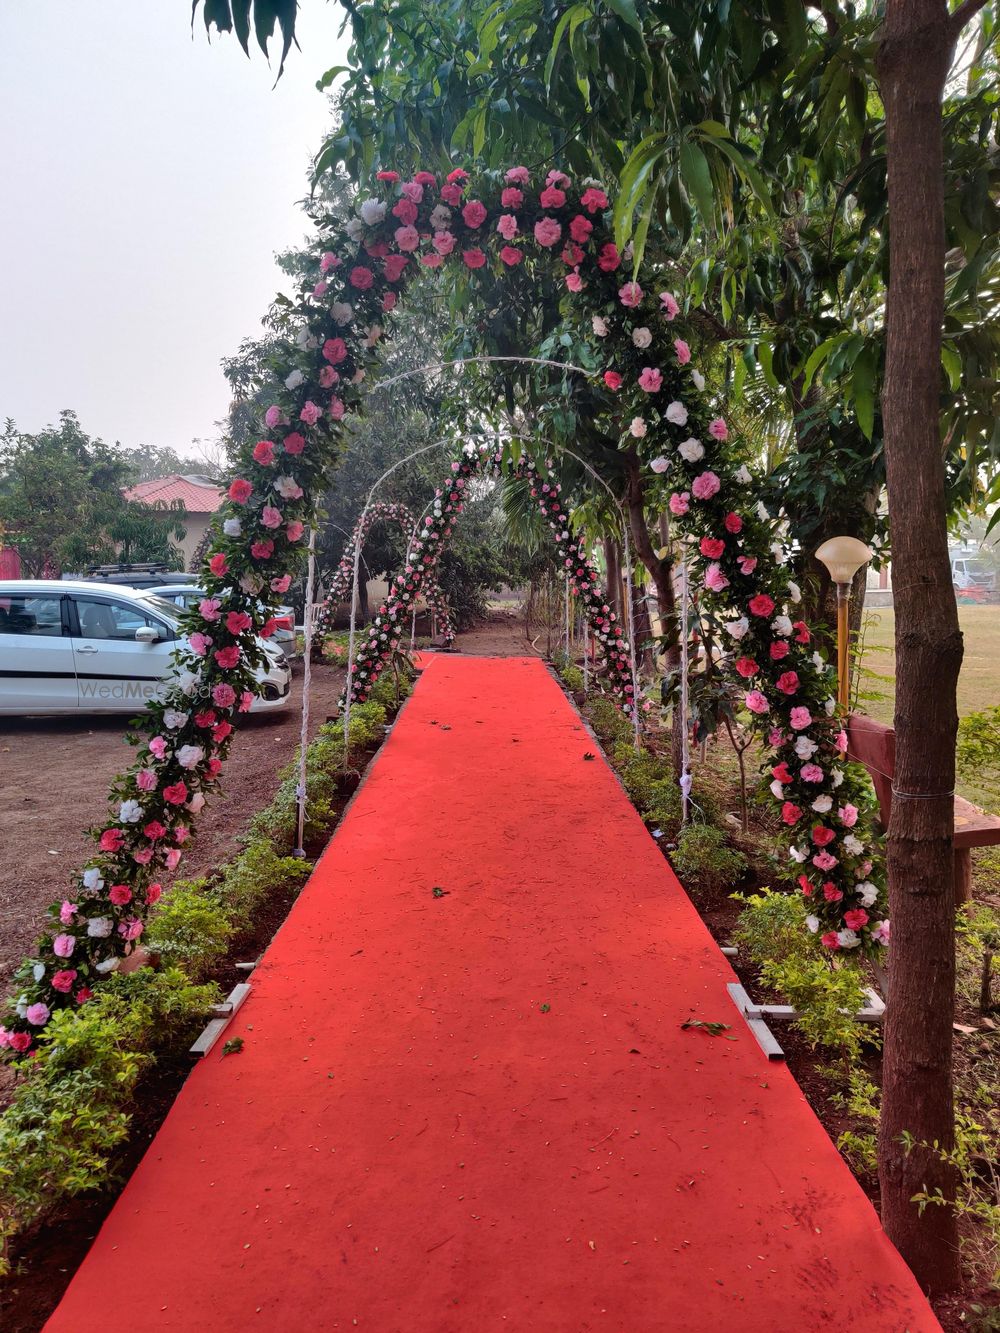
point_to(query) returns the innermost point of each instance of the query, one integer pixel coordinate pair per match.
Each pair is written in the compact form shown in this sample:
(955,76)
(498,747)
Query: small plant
(703,860)
(978,932)
(190,928)
(572,678)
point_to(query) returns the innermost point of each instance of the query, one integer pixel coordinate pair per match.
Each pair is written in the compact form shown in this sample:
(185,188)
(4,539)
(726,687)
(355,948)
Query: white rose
(699,380)
(660,464)
(868,892)
(818,662)
(100,927)
(847,939)
(355,229)
(737,628)
(92,879)
(251,584)
(762,513)
(129,812)
(830,705)
(852,845)
(440,217)
(190,756)
(822,804)
(287,487)
(372,212)
(637,428)
(600,327)
(777,790)
(107,965)
(173,720)
(38,971)
(294,379)
(797,854)
(677,413)
(691,450)
(813,923)
(805,748)
(782,625)
(778,553)
(743,475)
(188,682)
(642,337)
(836,777)
(196,802)
(303,336)
(232,527)
(794,591)
(341,312)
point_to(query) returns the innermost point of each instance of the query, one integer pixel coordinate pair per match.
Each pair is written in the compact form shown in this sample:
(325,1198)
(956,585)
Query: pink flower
(856,918)
(746,667)
(413,190)
(574,282)
(474,214)
(788,682)
(154,830)
(406,211)
(393,266)
(822,836)
(337,408)
(651,380)
(37,1015)
(840,741)
(511,197)
(473,258)
(670,307)
(444,242)
(718,429)
(262,550)
(452,194)
(790,814)
(747,564)
(263,452)
(510,256)
(240,491)
(361,278)
(199,646)
(831,893)
(830,940)
(824,861)
(612,379)
(334,351)
(319,290)
(594,200)
(310,413)
(224,696)
(227,658)
(246,701)
(328,261)
(705,485)
(146,779)
(294,530)
(111,840)
(67,912)
(221,731)
(580,229)
(811,773)
(609,259)
(270,517)
(391,176)
(679,504)
(682,350)
(407,238)
(63,981)
(880,932)
(63,945)
(281,583)
(756,702)
(715,580)
(551,197)
(294,443)
(390,298)
(630,295)
(119,895)
(711,547)
(507,226)
(732,523)
(848,815)
(778,650)
(518,176)
(209,608)
(143,856)
(176,793)
(272,416)
(425,178)
(547,231)
(800,719)
(761,605)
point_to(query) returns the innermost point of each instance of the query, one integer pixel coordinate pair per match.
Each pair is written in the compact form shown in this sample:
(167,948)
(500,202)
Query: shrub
(572,678)
(703,860)
(609,722)
(257,876)
(190,928)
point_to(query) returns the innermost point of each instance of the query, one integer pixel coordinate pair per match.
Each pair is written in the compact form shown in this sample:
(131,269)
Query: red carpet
(478,1110)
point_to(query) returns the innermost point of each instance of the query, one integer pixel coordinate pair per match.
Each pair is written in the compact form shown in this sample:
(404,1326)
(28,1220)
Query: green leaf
(626,11)
(863,388)
(819,355)
(697,178)
(765,355)
(328,78)
(952,363)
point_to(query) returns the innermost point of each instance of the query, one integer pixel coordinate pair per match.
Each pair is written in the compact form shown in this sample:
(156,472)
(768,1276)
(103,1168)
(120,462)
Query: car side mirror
(147,634)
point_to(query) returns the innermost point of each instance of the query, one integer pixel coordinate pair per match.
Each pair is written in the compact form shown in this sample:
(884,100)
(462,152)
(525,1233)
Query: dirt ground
(55,773)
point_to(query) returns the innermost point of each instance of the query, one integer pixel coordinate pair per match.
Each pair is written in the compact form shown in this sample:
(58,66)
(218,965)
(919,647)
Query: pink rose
(444,242)
(240,491)
(262,550)
(609,259)
(651,380)
(473,258)
(747,564)
(679,504)
(412,190)
(282,583)
(270,517)
(246,701)
(682,350)
(518,176)
(407,238)
(824,861)
(705,485)
(294,443)
(158,747)
(800,719)
(199,646)
(718,429)
(310,413)
(263,452)
(390,298)
(406,211)
(176,793)
(612,379)
(328,261)
(756,702)
(143,856)
(452,194)
(67,912)
(788,682)
(711,547)
(393,266)
(778,650)
(552,197)
(733,523)
(361,278)
(580,229)
(594,200)
(337,408)
(856,918)
(36,1014)
(210,608)
(507,226)
(146,779)
(119,895)
(334,351)
(474,214)
(510,256)
(294,530)
(511,197)
(790,814)
(630,295)
(848,815)
(63,981)
(811,773)
(670,307)
(746,667)
(822,836)
(63,945)
(715,580)
(224,696)
(761,605)
(319,290)
(272,416)
(153,894)
(227,658)
(218,565)
(547,232)
(574,282)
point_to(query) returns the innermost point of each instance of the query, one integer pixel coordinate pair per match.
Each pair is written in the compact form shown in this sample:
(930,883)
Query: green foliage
(862,1099)
(263,15)
(572,677)
(190,928)
(609,722)
(257,876)
(978,943)
(703,861)
(978,750)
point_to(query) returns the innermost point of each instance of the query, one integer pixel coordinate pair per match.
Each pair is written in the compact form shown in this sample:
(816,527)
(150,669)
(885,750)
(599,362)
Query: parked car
(68,647)
(970,572)
(186,596)
(151,574)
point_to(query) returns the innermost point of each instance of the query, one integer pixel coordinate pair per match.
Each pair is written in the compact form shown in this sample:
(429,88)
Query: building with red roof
(199,496)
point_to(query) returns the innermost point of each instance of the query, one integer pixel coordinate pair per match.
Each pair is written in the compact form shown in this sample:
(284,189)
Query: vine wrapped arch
(651,398)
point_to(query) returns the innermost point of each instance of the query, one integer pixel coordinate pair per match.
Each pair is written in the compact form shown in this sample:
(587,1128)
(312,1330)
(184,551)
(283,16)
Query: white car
(186,595)
(72,647)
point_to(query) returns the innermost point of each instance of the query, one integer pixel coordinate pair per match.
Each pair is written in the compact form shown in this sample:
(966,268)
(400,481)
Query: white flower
(173,720)
(440,217)
(762,513)
(852,845)
(848,939)
(868,892)
(232,527)
(817,661)
(190,756)
(188,682)
(251,584)
(677,413)
(100,927)
(129,812)
(642,337)
(830,705)
(797,854)
(93,880)
(600,326)
(822,804)
(778,552)
(737,628)
(699,379)
(777,790)
(660,464)
(743,475)
(303,336)
(691,450)
(294,379)
(794,591)
(287,487)
(341,312)
(107,965)
(372,212)
(196,802)
(355,229)
(782,625)
(805,749)
(637,428)
(813,923)
(38,971)
(836,777)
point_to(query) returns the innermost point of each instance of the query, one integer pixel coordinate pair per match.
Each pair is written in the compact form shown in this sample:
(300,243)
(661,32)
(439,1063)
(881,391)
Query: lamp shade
(843,557)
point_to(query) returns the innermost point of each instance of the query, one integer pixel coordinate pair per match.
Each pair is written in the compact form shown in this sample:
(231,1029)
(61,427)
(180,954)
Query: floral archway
(653,399)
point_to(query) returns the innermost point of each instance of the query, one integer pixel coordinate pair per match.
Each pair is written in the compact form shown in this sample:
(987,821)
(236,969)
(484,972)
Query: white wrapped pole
(685,730)
(307,625)
(633,659)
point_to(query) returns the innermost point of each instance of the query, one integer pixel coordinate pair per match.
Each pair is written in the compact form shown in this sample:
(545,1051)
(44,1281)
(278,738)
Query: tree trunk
(612,558)
(914,54)
(660,570)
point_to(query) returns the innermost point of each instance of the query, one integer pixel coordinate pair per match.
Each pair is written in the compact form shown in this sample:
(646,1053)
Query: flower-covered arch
(341,585)
(652,399)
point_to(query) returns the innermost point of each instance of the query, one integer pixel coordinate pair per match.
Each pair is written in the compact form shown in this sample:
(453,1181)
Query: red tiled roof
(198,497)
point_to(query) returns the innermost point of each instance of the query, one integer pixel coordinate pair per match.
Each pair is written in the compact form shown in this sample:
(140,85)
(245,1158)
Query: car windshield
(161,606)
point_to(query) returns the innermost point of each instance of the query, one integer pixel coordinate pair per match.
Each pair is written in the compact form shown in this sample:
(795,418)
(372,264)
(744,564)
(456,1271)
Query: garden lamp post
(843,557)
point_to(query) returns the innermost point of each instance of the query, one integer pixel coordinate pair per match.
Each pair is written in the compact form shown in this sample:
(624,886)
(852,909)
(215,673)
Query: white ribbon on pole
(686,780)
(307,625)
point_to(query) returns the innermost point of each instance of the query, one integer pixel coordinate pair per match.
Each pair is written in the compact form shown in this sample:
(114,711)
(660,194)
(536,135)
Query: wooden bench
(874,744)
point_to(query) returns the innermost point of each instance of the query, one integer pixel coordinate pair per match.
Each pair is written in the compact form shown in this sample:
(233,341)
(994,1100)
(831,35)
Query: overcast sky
(147,181)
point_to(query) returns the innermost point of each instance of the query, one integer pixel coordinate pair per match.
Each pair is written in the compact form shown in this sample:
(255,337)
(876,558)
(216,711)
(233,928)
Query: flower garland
(652,398)
(343,578)
(385,630)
